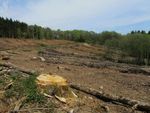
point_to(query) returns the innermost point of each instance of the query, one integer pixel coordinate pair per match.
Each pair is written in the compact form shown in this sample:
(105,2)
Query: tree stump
(55,85)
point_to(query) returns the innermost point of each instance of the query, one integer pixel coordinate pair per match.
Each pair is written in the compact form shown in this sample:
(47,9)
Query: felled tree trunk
(108,97)
(29,72)
(135,71)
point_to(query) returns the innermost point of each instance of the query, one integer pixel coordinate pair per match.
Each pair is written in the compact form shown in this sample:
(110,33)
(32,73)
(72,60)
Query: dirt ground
(80,64)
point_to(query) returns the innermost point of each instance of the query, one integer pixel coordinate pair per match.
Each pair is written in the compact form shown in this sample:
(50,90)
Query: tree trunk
(108,97)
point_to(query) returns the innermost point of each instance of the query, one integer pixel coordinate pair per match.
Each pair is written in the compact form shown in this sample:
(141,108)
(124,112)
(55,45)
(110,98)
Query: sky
(93,15)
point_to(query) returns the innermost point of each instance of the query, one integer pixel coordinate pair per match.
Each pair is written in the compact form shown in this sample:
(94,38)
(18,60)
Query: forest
(136,43)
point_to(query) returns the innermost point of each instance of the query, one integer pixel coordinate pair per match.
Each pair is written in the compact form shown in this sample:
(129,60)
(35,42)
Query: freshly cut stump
(57,86)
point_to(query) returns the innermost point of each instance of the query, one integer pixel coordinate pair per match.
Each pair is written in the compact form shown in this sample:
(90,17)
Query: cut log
(135,71)
(99,94)
(111,98)
(9,65)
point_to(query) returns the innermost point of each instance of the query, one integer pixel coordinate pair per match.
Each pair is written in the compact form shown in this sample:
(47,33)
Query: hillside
(79,63)
(130,48)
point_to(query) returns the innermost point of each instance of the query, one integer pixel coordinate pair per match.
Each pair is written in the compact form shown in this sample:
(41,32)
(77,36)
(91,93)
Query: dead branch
(8,86)
(61,99)
(19,103)
(46,95)
(111,98)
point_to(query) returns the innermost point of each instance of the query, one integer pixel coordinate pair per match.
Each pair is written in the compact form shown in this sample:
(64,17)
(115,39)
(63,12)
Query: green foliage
(25,87)
(16,29)
(112,43)
(104,36)
(1,81)
(31,90)
(136,45)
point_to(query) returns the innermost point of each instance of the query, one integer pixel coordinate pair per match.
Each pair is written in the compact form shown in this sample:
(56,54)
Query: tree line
(14,29)
(136,43)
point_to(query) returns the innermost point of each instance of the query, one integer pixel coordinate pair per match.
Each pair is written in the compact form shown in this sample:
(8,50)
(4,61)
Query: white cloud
(79,14)
(64,10)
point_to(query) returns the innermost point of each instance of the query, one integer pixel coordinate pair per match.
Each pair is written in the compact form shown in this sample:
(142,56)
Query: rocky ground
(80,64)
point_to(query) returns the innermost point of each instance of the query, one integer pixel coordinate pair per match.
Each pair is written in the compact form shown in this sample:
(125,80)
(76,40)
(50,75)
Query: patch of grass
(51,107)
(14,76)
(1,81)
(9,93)
(25,87)
(31,90)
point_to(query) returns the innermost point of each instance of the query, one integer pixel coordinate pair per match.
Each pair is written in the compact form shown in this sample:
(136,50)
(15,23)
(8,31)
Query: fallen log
(112,98)
(99,94)
(135,71)
(9,65)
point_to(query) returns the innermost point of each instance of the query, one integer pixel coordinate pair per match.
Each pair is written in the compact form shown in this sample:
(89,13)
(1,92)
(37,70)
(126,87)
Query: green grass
(1,81)
(25,87)
(31,90)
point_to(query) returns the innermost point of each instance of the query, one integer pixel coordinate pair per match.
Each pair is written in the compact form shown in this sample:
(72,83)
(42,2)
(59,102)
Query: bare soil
(80,64)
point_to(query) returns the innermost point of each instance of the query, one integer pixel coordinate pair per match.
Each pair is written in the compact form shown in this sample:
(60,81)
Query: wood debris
(109,97)
(46,95)
(19,103)
(61,99)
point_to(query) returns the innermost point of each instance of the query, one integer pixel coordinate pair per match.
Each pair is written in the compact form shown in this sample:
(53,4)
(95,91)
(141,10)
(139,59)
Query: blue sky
(92,15)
